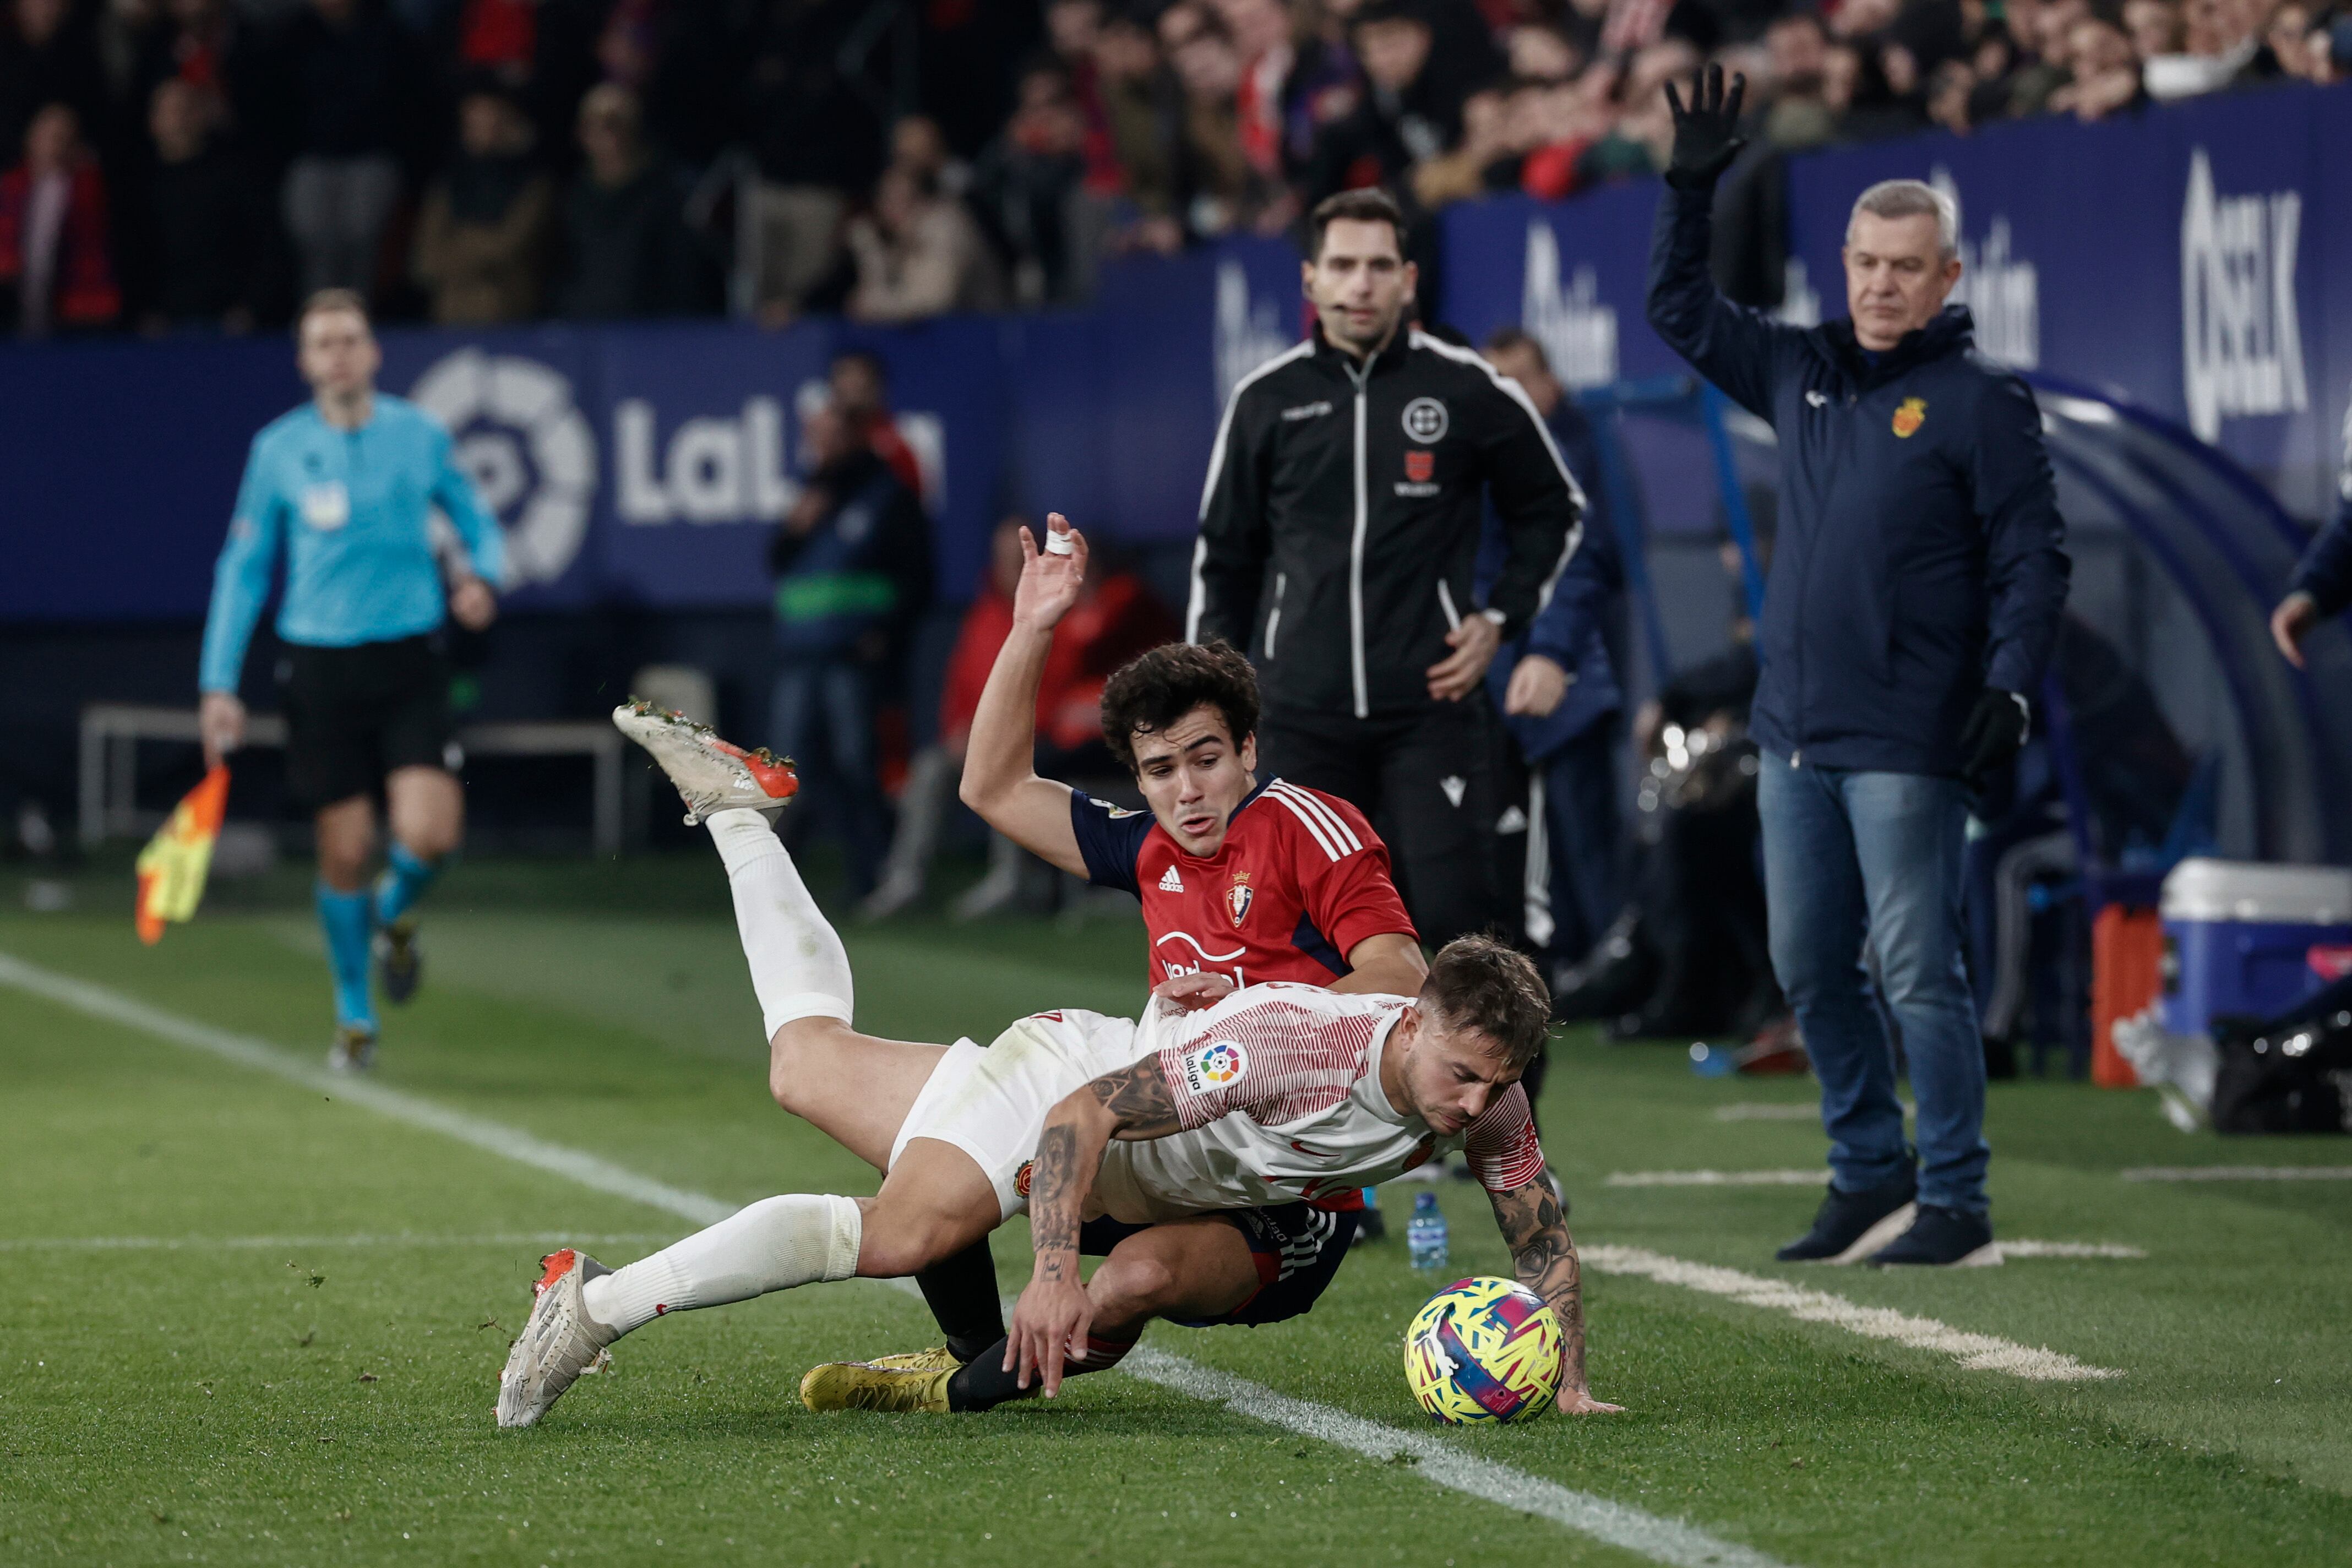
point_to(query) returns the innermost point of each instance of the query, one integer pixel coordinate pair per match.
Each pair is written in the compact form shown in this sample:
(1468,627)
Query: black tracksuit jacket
(1339,524)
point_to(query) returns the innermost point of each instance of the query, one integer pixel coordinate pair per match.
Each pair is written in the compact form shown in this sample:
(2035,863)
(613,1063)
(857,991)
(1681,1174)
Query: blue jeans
(1850,856)
(822,716)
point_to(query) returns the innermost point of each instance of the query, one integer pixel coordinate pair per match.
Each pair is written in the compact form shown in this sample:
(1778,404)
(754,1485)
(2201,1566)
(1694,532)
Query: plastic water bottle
(1424,1233)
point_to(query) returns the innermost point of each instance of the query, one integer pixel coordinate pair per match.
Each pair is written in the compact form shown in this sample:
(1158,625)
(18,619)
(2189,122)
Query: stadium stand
(501,160)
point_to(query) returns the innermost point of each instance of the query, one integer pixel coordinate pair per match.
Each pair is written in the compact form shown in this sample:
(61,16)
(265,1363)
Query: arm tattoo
(1052,1205)
(1139,1097)
(1545,1258)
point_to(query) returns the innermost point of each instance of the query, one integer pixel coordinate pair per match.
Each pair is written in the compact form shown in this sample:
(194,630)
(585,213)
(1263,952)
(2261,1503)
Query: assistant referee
(1339,542)
(343,489)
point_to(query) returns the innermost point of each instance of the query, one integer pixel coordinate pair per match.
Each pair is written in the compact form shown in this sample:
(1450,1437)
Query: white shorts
(992,1103)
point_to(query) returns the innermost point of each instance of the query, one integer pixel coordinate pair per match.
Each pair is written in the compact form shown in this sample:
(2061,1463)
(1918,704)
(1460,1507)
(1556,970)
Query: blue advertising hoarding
(2195,259)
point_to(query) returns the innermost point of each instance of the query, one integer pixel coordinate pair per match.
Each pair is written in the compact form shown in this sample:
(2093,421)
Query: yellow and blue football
(1484,1350)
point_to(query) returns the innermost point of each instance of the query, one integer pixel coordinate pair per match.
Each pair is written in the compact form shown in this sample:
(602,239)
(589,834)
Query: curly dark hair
(1478,982)
(1152,691)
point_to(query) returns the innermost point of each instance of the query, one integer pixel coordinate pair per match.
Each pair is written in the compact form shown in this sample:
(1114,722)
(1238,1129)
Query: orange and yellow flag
(172,867)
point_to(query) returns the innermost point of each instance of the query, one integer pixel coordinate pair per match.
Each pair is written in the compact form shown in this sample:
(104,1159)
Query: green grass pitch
(244,1322)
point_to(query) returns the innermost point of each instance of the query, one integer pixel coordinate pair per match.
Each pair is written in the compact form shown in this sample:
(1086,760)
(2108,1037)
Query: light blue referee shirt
(349,509)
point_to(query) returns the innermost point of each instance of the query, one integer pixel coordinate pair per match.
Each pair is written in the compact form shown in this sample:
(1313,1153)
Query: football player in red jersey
(1240,882)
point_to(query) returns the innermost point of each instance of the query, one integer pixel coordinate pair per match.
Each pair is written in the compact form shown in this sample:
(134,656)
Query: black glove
(1706,134)
(1990,738)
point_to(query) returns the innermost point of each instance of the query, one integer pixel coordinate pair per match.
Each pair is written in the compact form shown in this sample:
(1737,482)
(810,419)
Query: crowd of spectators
(198,164)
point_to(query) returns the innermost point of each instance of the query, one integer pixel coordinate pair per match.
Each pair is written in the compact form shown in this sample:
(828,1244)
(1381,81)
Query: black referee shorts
(1427,781)
(356,714)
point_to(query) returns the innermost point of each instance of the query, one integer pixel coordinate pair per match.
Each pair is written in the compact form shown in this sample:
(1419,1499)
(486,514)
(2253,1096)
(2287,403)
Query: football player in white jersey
(1268,1096)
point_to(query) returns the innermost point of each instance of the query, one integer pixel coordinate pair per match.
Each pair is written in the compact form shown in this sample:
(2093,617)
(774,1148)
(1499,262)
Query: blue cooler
(2239,935)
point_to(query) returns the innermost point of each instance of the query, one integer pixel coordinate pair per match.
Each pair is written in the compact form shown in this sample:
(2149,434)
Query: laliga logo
(1247,334)
(528,450)
(1221,1062)
(714,469)
(718,470)
(2241,342)
(1578,332)
(2004,295)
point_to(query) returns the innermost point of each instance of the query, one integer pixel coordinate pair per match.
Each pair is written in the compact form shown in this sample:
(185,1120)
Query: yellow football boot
(854,1385)
(938,1358)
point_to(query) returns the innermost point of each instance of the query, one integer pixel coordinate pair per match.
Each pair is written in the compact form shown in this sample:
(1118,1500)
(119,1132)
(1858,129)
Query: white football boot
(558,1345)
(712,774)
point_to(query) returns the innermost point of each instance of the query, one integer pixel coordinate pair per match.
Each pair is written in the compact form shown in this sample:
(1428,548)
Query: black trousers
(1427,781)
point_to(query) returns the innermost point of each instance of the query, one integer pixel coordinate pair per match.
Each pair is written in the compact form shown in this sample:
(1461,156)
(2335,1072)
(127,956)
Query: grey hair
(1911,199)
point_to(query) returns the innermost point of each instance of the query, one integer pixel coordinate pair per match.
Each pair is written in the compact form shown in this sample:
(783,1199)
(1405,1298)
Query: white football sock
(798,966)
(774,1245)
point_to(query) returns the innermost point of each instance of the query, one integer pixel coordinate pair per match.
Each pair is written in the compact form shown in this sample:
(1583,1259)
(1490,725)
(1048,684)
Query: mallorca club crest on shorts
(1420,466)
(1238,897)
(1214,1065)
(1020,1179)
(1909,417)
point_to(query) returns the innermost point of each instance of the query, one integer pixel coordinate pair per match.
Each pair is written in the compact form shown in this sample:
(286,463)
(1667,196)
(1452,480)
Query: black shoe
(1845,1218)
(1369,1228)
(399,960)
(1941,1235)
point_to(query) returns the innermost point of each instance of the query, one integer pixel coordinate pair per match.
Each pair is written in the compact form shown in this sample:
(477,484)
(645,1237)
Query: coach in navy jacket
(1915,588)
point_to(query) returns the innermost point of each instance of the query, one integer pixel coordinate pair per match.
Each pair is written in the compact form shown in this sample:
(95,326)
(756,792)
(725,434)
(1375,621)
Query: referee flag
(172,867)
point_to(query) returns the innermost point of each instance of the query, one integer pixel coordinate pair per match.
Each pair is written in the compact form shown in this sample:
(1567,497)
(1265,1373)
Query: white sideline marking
(513,1143)
(1718,1179)
(1440,1463)
(1977,1352)
(1664,1541)
(297,1243)
(2239,1173)
(2067,1250)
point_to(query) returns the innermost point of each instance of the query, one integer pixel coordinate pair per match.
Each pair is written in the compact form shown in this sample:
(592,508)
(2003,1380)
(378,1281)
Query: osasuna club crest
(1238,897)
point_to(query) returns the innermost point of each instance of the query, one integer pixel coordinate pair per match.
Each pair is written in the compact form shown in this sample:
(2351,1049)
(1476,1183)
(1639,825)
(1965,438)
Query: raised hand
(1706,133)
(1050,582)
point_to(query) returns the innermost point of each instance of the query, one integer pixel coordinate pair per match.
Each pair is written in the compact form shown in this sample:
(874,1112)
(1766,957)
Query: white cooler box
(2249,939)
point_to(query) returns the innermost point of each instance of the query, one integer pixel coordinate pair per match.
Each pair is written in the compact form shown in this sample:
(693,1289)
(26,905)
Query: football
(1485,1350)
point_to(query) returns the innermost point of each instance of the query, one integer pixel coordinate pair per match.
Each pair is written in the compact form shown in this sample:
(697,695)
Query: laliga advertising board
(647,465)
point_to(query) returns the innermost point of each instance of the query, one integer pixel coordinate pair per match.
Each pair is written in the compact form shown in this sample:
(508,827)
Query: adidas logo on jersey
(1169,882)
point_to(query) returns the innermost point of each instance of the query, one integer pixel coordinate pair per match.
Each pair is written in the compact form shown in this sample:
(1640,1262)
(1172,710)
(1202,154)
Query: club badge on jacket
(1910,416)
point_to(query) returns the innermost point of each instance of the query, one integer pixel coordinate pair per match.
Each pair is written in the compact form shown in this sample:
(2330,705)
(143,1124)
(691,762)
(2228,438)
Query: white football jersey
(1278,1090)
